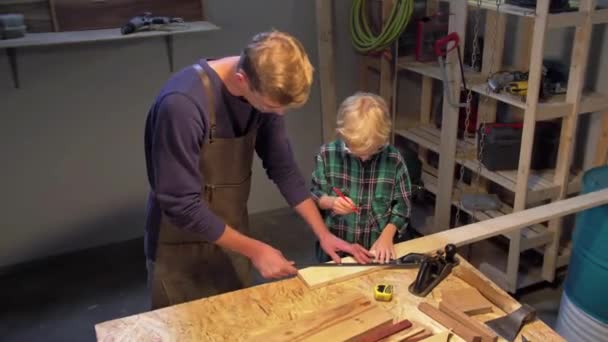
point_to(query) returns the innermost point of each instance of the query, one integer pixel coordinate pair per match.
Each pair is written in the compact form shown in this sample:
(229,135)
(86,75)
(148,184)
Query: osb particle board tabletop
(239,315)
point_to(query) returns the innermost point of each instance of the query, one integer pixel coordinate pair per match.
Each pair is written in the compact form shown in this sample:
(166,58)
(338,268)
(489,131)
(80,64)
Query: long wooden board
(315,277)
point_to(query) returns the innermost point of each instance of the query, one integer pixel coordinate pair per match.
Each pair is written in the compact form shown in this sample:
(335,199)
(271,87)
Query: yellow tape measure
(383,292)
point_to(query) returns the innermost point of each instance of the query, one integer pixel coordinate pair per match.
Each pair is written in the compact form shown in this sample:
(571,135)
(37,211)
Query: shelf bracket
(169,44)
(12,61)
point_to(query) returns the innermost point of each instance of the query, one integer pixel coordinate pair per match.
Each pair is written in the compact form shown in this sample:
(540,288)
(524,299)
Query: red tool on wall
(442,49)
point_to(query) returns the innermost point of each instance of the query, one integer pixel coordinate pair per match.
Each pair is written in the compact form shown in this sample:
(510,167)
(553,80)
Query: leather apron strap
(187,267)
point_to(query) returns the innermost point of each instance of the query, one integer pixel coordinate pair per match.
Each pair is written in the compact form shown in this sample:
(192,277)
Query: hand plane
(433,269)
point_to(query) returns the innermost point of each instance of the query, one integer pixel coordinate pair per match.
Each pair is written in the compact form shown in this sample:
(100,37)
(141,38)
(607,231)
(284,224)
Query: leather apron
(186,266)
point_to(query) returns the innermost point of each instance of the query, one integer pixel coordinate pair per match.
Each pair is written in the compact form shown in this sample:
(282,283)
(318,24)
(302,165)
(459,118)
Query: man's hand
(331,244)
(267,260)
(271,263)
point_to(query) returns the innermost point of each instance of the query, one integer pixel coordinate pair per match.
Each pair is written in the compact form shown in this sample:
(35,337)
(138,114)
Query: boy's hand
(383,248)
(343,206)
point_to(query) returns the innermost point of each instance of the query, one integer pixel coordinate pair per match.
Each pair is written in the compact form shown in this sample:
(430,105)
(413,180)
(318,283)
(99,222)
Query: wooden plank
(599,16)
(449,126)
(566,19)
(386,72)
(450,323)
(76,15)
(576,82)
(601,152)
(404,335)
(315,277)
(527,141)
(426,100)
(352,328)
(492,59)
(53,14)
(468,300)
(309,325)
(325,44)
(493,293)
(89,36)
(381,332)
(486,334)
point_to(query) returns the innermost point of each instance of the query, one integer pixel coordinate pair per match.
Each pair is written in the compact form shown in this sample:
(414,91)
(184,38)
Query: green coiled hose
(364,39)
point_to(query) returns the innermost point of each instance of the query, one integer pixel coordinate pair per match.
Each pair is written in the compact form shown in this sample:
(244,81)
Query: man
(201,133)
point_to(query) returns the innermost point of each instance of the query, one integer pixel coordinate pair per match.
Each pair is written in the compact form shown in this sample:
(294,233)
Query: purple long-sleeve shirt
(176,128)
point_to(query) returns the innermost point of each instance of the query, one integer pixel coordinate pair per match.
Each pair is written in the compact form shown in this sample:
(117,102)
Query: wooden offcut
(353,328)
(316,322)
(487,335)
(381,332)
(468,300)
(316,277)
(450,323)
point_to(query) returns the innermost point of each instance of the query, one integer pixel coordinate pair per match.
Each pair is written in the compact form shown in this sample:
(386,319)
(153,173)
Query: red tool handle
(337,191)
(443,43)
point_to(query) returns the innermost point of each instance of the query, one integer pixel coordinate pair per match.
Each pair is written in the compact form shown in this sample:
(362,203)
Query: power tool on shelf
(553,81)
(148,22)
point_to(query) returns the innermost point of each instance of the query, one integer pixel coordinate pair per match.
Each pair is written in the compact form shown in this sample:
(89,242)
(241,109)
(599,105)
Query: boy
(369,173)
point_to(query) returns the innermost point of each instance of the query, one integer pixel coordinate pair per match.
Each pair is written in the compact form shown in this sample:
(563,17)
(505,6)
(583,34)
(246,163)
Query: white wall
(71,139)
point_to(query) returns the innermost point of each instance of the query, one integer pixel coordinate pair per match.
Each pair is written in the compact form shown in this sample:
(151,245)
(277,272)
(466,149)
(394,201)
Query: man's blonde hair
(277,66)
(364,122)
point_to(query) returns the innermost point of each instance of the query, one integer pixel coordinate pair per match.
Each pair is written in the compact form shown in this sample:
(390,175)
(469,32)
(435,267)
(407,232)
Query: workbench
(240,315)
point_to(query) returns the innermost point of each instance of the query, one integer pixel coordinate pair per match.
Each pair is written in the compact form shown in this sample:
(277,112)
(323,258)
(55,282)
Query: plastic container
(574,325)
(587,281)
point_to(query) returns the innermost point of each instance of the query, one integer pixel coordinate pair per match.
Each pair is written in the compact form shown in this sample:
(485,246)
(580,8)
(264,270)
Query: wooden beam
(325,43)
(321,276)
(449,122)
(386,72)
(576,82)
(599,16)
(601,152)
(566,19)
(527,141)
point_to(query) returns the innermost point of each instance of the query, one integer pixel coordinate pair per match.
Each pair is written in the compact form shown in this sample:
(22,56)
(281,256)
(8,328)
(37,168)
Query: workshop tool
(12,26)
(508,326)
(410,260)
(475,202)
(518,88)
(441,51)
(433,270)
(499,80)
(428,30)
(339,193)
(383,292)
(147,22)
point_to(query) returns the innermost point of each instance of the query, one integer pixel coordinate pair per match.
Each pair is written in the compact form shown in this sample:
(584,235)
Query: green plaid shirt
(379,186)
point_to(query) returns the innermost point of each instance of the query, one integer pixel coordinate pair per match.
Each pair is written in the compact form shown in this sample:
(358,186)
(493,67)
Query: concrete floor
(62,298)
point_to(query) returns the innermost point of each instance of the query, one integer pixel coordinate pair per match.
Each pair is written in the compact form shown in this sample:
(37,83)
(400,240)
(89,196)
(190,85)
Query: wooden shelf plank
(532,237)
(431,69)
(554,107)
(505,8)
(74,37)
(540,181)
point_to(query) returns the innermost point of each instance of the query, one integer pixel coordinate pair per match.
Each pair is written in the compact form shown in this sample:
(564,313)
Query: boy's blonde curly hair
(364,122)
